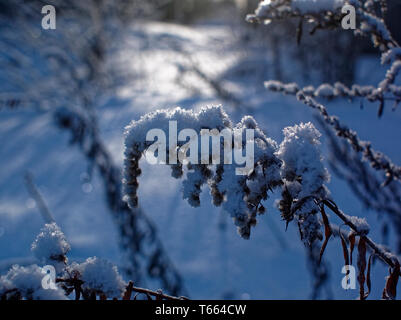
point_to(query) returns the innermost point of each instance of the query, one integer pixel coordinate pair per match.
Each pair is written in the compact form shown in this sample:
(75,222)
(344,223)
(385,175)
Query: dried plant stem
(159,295)
(378,160)
(387,257)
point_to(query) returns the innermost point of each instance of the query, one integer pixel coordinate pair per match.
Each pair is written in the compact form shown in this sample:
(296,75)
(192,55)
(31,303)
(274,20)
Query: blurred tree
(70,72)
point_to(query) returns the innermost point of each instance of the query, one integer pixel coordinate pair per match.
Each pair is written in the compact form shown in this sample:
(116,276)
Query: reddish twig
(387,257)
(159,295)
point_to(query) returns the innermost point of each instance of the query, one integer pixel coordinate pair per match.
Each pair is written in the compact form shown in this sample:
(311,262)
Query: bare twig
(159,295)
(378,160)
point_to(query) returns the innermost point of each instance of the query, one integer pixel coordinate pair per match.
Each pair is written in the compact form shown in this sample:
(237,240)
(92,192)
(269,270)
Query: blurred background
(67,94)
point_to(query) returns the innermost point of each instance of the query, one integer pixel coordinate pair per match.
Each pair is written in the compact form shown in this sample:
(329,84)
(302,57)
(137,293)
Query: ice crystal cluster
(295,165)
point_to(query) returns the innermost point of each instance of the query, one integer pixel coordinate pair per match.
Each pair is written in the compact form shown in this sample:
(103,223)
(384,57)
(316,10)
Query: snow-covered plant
(328,14)
(371,24)
(26,283)
(378,160)
(350,166)
(304,176)
(51,246)
(295,166)
(68,74)
(98,276)
(240,195)
(94,278)
(317,11)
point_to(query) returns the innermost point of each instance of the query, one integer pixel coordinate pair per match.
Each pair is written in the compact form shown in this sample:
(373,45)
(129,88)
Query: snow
(360,223)
(268,7)
(136,143)
(28,281)
(325,90)
(371,23)
(390,55)
(304,174)
(50,246)
(240,195)
(259,268)
(230,187)
(301,157)
(99,275)
(273,85)
(391,75)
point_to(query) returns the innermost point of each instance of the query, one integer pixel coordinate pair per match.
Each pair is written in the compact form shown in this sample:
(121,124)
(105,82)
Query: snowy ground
(214,261)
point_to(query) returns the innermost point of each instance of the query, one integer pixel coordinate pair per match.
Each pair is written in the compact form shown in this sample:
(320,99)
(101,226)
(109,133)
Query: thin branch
(157,294)
(378,160)
(387,257)
(40,202)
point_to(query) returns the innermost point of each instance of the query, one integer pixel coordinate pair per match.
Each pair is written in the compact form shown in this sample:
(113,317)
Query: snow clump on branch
(50,246)
(304,176)
(297,165)
(99,276)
